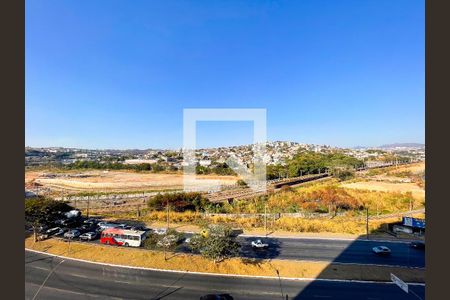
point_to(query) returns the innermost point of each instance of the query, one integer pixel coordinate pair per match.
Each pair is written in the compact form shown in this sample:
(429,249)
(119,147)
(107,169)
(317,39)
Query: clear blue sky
(117,74)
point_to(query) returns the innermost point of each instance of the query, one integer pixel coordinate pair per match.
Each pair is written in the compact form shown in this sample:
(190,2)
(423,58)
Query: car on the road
(381,250)
(71,234)
(88,236)
(216,297)
(417,245)
(54,231)
(258,244)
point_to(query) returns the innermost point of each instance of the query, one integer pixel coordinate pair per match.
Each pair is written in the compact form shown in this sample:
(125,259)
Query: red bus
(122,237)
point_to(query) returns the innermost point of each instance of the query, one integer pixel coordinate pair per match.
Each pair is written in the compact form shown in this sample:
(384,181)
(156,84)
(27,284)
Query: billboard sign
(414,222)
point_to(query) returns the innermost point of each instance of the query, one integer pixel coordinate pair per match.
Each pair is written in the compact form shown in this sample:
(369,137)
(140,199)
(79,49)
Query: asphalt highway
(48,277)
(338,251)
(342,251)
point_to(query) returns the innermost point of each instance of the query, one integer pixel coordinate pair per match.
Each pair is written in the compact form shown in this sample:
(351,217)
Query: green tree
(43,212)
(218,243)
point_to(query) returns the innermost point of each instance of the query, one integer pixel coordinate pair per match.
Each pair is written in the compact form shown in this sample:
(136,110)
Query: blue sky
(118,74)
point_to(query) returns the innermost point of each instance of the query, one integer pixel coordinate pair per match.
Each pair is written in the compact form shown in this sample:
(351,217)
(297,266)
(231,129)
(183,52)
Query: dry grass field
(114,181)
(387,181)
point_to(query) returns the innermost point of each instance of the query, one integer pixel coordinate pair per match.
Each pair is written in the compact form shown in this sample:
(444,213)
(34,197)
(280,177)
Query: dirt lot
(389,183)
(381,186)
(114,181)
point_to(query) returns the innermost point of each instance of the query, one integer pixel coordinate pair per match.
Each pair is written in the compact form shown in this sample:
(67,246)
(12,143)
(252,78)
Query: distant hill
(406,145)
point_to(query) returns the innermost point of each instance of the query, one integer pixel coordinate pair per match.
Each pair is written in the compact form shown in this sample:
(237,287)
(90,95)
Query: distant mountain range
(403,145)
(393,146)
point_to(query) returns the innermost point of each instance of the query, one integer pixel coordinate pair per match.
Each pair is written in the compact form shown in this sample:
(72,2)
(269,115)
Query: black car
(418,245)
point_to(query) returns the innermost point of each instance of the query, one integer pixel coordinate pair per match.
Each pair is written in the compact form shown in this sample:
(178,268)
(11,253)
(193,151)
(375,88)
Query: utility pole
(87,213)
(265,219)
(367,222)
(167,214)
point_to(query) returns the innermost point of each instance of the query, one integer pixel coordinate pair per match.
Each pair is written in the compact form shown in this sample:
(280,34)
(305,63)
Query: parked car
(42,228)
(105,225)
(258,244)
(91,221)
(381,250)
(71,234)
(54,231)
(69,223)
(87,228)
(139,228)
(42,236)
(418,245)
(124,226)
(88,236)
(61,232)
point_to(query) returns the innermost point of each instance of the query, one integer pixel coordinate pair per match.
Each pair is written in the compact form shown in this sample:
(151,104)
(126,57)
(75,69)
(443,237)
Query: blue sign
(413,222)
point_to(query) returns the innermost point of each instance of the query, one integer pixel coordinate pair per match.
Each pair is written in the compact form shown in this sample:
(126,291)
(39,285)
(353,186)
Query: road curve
(72,279)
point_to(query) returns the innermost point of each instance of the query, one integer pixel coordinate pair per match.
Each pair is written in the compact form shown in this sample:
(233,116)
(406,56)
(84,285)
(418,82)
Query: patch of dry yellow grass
(380,186)
(195,263)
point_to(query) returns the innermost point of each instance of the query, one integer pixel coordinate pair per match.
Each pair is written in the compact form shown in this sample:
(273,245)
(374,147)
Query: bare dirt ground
(114,181)
(380,186)
(389,183)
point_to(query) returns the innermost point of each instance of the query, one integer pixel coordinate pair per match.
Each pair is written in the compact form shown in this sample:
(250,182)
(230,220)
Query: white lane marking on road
(120,281)
(219,274)
(48,276)
(78,275)
(40,268)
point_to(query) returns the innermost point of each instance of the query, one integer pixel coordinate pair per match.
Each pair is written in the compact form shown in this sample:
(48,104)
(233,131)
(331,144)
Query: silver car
(381,250)
(71,234)
(88,236)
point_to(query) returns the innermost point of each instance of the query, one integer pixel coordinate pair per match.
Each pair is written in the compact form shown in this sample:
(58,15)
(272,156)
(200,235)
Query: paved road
(77,280)
(342,251)
(339,251)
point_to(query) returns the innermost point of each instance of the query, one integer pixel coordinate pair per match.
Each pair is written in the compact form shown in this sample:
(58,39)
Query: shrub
(179,201)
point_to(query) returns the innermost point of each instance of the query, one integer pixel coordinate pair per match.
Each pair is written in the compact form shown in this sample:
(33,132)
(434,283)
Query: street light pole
(367,222)
(265,219)
(167,214)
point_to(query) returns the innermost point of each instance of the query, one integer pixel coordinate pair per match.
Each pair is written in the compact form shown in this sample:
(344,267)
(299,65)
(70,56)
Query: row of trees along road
(41,212)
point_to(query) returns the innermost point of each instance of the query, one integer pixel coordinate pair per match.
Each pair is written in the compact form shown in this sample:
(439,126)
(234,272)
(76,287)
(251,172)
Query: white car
(259,244)
(71,234)
(382,250)
(88,236)
(54,231)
